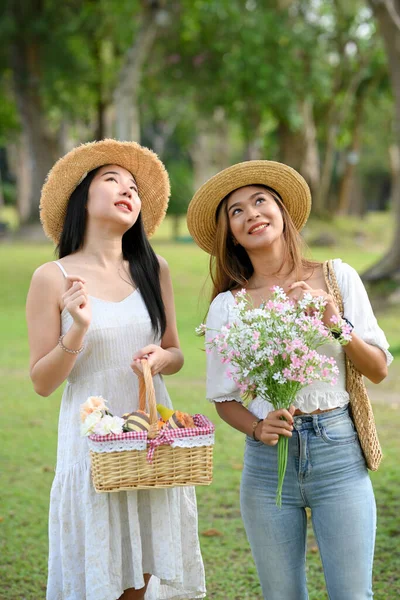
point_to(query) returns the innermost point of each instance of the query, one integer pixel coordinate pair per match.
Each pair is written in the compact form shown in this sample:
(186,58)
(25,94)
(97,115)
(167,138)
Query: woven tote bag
(360,405)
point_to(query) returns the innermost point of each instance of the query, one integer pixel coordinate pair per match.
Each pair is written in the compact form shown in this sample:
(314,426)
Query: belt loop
(315,425)
(297,423)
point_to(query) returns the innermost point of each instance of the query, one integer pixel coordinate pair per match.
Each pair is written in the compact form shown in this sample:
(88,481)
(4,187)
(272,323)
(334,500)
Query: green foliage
(86,54)
(241,57)
(255,62)
(8,215)
(181,177)
(9,193)
(76,47)
(9,121)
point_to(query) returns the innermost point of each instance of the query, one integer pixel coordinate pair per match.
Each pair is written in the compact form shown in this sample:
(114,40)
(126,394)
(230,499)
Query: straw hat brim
(149,173)
(290,185)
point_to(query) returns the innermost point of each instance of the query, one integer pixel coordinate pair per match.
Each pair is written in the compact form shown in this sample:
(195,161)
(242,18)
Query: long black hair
(136,249)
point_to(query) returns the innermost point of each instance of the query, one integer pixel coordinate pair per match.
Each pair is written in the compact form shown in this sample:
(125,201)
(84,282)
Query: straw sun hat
(290,185)
(149,173)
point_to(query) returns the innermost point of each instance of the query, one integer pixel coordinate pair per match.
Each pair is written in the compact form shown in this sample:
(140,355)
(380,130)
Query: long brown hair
(230,265)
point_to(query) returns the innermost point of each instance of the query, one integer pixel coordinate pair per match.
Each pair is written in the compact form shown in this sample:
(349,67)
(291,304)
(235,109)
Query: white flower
(201,329)
(109,425)
(90,422)
(92,404)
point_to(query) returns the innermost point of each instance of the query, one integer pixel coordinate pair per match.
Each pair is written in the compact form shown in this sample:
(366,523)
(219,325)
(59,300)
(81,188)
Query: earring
(235,243)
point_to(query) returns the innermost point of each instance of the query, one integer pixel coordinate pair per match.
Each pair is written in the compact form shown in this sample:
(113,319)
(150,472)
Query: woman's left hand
(297,290)
(158,359)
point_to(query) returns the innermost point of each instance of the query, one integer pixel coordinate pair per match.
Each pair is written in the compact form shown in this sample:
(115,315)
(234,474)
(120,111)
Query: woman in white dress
(92,316)
(248,218)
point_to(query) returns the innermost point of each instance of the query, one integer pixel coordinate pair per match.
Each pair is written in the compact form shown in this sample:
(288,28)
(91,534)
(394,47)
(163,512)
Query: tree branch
(395,15)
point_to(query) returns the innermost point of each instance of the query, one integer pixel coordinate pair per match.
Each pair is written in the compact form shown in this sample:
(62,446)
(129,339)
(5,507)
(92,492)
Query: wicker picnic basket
(137,460)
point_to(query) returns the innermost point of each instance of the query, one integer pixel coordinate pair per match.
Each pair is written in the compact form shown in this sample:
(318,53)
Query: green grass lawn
(28,444)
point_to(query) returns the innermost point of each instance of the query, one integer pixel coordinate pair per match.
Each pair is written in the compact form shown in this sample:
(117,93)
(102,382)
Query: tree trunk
(253,149)
(41,148)
(251,129)
(163,131)
(201,154)
(336,114)
(358,206)
(352,157)
(23,177)
(126,94)
(210,152)
(321,197)
(103,99)
(389,266)
(299,148)
(291,145)
(310,166)
(222,145)
(389,23)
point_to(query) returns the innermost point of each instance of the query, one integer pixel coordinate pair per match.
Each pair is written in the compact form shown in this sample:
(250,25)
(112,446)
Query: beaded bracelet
(60,343)
(342,330)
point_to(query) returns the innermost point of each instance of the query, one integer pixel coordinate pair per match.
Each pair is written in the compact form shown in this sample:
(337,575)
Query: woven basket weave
(360,405)
(169,467)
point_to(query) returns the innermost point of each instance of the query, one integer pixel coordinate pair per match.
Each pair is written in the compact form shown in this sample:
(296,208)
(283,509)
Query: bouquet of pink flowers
(272,351)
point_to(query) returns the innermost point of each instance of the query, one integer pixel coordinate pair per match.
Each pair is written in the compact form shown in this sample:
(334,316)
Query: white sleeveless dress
(101,544)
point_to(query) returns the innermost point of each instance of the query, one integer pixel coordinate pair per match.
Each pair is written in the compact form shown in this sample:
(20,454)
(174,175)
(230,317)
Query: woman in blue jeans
(248,217)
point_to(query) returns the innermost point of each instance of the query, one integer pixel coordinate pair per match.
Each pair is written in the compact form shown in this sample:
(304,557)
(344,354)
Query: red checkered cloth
(166,436)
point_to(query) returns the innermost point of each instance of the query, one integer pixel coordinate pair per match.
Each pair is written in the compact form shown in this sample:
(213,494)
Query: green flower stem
(283,450)
(283,446)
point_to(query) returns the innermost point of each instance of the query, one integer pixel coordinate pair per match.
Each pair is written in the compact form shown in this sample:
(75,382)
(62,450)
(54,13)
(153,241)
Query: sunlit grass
(28,443)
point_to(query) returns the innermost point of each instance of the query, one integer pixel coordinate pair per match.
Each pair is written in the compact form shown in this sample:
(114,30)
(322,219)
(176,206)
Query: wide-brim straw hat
(290,185)
(149,172)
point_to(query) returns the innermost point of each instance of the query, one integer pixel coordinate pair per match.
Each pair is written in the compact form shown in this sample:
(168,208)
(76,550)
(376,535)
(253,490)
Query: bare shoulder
(164,268)
(165,278)
(48,274)
(162,262)
(47,284)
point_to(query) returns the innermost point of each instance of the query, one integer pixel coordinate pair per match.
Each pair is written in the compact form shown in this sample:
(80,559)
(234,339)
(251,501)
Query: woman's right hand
(76,301)
(269,430)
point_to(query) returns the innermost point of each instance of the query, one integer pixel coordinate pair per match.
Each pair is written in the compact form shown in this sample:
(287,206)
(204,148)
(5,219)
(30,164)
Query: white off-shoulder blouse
(318,395)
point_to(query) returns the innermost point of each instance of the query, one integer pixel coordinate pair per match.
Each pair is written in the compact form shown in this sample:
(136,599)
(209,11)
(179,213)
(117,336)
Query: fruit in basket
(165,412)
(161,424)
(180,419)
(136,421)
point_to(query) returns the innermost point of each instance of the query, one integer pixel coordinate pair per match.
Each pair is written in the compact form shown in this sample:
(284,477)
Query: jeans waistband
(313,421)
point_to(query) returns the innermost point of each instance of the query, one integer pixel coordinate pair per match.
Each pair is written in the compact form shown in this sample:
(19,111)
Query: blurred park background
(204,83)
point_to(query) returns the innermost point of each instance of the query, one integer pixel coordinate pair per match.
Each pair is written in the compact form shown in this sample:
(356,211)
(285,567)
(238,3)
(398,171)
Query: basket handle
(146,388)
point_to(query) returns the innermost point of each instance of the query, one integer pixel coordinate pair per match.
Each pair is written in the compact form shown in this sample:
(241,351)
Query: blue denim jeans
(326,471)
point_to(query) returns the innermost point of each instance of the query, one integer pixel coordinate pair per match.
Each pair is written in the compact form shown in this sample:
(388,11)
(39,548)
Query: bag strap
(360,406)
(332,285)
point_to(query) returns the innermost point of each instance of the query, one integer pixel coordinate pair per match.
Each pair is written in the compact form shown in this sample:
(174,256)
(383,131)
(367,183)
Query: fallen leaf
(212,533)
